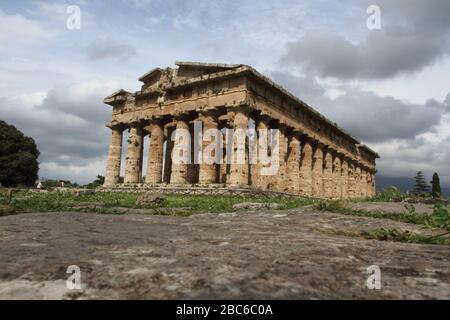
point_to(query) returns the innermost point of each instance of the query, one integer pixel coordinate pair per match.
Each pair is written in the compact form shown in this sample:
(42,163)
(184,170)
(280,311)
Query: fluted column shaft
(280,178)
(134,156)
(168,155)
(337,181)
(293,164)
(239,158)
(260,179)
(358,192)
(318,172)
(373,185)
(328,175)
(114,157)
(363,182)
(306,173)
(351,180)
(155,153)
(344,179)
(210,149)
(181,155)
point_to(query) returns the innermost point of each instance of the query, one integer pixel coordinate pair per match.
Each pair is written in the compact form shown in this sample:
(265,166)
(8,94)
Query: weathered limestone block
(328,175)
(306,173)
(337,180)
(114,157)
(344,179)
(181,154)
(317,186)
(239,157)
(208,170)
(155,153)
(149,199)
(293,165)
(134,157)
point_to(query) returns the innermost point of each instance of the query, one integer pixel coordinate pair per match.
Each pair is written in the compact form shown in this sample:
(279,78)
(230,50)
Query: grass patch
(396,235)
(439,219)
(105,202)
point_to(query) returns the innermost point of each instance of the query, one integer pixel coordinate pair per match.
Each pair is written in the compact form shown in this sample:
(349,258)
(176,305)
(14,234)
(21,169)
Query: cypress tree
(421,186)
(436,186)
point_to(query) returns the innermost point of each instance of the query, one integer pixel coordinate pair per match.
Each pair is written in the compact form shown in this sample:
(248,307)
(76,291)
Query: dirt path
(294,254)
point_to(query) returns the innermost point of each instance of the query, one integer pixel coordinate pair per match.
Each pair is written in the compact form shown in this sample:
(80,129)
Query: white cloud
(17,33)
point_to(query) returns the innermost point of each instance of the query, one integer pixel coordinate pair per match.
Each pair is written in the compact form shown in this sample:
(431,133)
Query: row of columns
(306,166)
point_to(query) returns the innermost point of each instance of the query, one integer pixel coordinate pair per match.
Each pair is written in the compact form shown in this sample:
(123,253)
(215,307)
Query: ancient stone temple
(314,156)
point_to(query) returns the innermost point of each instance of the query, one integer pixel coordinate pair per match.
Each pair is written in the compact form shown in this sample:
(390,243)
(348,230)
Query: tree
(99,181)
(18,157)
(421,186)
(436,186)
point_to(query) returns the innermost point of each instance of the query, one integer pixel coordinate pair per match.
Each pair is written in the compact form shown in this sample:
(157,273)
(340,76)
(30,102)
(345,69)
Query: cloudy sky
(389,87)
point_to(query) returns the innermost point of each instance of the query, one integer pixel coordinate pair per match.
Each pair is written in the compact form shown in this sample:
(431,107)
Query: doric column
(210,149)
(337,181)
(260,179)
(373,184)
(351,180)
(293,164)
(369,183)
(328,174)
(344,179)
(357,191)
(181,155)
(306,173)
(363,182)
(155,153)
(224,166)
(193,168)
(134,157)
(168,154)
(318,171)
(239,157)
(280,179)
(114,156)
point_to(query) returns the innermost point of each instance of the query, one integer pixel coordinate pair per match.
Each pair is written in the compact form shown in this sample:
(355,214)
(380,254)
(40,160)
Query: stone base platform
(216,189)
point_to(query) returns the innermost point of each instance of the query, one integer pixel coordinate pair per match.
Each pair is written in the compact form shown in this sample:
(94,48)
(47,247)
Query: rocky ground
(291,254)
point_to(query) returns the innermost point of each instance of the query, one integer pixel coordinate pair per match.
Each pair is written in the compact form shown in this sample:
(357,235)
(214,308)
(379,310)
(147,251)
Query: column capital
(262,117)
(296,132)
(243,108)
(158,120)
(209,113)
(136,124)
(114,125)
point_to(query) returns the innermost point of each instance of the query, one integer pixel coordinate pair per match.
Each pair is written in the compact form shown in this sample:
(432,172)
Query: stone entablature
(232,95)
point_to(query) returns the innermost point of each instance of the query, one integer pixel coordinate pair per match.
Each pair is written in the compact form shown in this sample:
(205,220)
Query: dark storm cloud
(101,50)
(68,125)
(413,36)
(367,116)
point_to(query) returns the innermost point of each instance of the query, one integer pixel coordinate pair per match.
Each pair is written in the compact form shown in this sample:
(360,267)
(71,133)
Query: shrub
(391,194)
(330,205)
